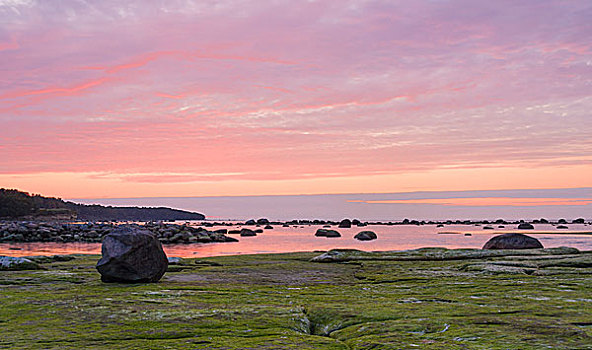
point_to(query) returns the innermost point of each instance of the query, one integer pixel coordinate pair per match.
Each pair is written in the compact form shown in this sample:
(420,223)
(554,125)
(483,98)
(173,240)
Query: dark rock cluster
(94,232)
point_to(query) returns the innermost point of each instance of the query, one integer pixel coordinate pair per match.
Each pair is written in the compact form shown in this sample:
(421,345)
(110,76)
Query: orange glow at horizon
(93,185)
(485,201)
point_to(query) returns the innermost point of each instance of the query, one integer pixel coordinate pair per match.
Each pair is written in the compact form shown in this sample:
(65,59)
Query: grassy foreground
(285,301)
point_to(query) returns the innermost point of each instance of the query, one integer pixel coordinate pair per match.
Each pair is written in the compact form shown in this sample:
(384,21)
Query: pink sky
(190,98)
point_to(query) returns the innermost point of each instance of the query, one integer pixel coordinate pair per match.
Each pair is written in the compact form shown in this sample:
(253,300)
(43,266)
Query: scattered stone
(366,236)
(513,241)
(525,226)
(488,228)
(9,263)
(562,227)
(132,256)
(268,227)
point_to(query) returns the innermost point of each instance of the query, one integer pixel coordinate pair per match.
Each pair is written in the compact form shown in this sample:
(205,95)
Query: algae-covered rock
(513,241)
(40,259)
(133,256)
(436,254)
(9,263)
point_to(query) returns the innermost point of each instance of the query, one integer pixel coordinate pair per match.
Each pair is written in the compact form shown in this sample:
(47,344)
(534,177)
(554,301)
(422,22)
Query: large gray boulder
(131,255)
(513,241)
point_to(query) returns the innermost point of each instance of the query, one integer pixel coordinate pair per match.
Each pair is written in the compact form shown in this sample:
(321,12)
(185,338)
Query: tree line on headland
(15,204)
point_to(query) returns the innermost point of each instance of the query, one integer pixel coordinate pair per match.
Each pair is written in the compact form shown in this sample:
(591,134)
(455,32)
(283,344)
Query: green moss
(283,301)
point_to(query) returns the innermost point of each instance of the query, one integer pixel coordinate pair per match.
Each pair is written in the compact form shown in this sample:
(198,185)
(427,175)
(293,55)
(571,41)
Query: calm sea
(525,204)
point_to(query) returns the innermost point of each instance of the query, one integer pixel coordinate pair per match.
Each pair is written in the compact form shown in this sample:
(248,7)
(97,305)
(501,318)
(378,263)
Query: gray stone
(133,256)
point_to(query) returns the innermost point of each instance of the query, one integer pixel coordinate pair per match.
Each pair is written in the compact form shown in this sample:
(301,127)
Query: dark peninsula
(15,204)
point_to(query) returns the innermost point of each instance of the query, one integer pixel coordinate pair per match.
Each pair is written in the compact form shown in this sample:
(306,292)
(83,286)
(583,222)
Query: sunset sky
(206,98)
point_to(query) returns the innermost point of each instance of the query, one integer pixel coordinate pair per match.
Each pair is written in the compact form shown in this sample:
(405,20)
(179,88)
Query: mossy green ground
(284,301)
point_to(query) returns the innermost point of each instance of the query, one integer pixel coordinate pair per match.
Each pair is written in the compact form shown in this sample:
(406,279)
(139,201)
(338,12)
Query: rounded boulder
(513,241)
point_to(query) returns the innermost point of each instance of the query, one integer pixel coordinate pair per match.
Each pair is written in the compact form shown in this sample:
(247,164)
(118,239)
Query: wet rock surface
(513,241)
(131,255)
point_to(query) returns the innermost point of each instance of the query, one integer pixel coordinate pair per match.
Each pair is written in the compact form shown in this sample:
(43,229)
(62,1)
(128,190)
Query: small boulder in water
(245,232)
(513,241)
(525,226)
(131,255)
(366,236)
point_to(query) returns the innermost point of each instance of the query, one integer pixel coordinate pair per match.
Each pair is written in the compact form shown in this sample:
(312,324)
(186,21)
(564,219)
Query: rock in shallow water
(131,256)
(513,241)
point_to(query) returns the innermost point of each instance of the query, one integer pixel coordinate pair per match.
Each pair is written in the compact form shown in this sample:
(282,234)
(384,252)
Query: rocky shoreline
(94,232)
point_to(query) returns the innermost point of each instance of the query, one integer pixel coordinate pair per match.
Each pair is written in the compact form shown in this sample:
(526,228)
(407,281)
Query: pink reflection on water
(295,239)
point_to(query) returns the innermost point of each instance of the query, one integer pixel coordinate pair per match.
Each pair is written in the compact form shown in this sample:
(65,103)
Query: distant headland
(15,204)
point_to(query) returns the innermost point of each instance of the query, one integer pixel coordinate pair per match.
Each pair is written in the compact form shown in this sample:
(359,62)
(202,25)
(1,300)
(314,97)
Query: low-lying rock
(436,254)
(525,226)
(132,256)
(9,263)
(513,241)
